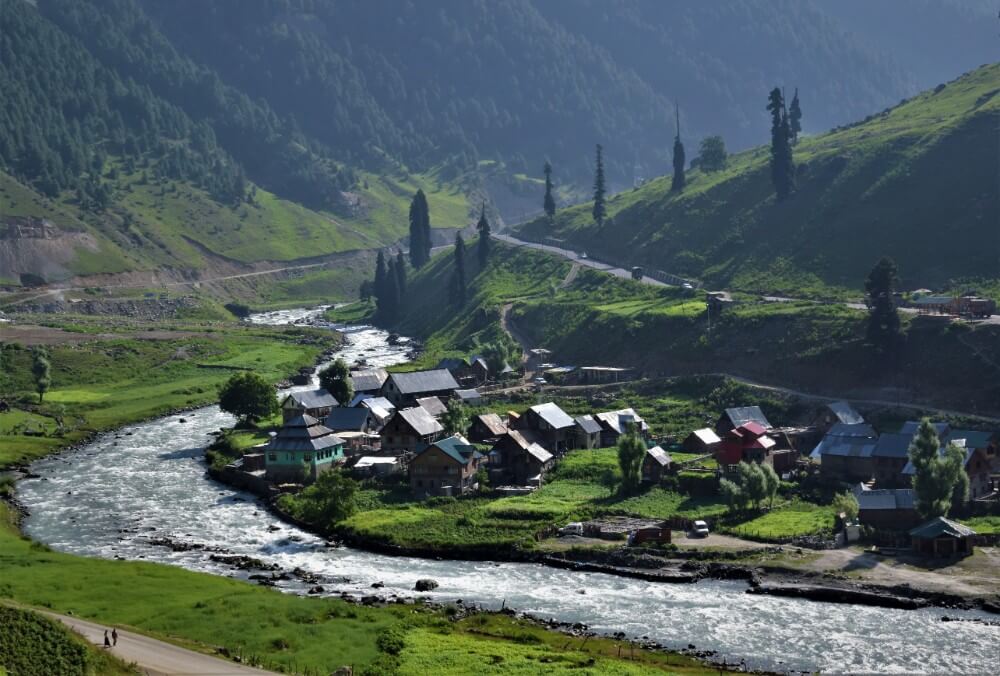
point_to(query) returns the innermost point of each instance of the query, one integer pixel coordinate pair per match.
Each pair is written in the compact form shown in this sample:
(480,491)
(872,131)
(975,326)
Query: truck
(637,273)
(976,307)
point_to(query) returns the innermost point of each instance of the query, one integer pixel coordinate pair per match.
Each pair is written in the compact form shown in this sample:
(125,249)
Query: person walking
(107,641)
(114,636)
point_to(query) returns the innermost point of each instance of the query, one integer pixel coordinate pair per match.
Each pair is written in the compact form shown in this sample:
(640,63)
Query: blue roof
(457,448)
(892,445)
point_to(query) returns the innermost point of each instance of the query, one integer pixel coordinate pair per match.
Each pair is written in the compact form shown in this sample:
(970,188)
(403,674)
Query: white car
(583,255)
(700,529)
(540,381)
(575,528)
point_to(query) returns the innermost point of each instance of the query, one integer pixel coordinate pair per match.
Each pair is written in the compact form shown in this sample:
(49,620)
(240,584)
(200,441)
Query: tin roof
(417,382)
(661,457)
(588,424)
(311,399)
(420,420)
(433,405)
(740,415)
(884,499)
(348,419)
(368,380)
(707,436)
(492,422)
(845,413)
(303,433)
(455,447)
(553,415)
(613,419)
(939,526)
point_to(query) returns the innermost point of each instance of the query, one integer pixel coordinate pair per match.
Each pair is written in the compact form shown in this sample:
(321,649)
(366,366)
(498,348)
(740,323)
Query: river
(115,496)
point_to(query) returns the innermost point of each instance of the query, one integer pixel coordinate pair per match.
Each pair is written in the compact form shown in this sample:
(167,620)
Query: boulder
(425,585)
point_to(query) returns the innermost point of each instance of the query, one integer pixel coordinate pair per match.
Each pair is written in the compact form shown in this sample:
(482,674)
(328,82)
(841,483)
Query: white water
(109,498)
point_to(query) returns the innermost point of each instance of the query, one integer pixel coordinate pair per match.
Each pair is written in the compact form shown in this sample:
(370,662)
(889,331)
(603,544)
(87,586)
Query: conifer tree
(380,272)
(401,274)
(883,330)
(599,211)
(677,184)
(41,371)
(939,477)
(392,294)
(420,230)
(795,117)
(782,166)
(483,246)
(458,278)
(549,204)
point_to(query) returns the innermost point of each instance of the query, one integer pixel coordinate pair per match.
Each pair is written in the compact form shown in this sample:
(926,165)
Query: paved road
(573,256)
(157,658)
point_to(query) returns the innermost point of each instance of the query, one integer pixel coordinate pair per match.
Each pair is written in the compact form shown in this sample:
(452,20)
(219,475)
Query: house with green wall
(302,450)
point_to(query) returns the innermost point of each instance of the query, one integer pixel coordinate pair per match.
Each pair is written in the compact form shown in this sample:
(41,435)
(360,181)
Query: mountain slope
(917,182)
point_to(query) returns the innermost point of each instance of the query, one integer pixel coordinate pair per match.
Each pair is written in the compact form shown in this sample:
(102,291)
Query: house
(886,508)
(445,467)
(357,419)
(889,457)
(368,381)
(479,370)
(486,427)
(469,397)
(301,450)
(750,442)
(518,458)
(403,389)
(588,432)
(655,463)
(316,403)
(410,429)
(432,405)
(838,412)
(977,466)
(553,425)
(702,442)
(846,452)
(942,537)
(457,366)
(375,465)
(732,418)
(615,423)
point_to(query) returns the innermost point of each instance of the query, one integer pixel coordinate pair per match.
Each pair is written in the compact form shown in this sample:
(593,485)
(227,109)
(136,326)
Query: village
(452,433)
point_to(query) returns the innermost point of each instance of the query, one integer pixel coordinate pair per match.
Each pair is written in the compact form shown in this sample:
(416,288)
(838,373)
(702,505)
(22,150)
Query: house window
(308,457)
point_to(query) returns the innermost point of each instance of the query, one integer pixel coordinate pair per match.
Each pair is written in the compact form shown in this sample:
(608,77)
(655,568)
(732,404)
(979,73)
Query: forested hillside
(917,183)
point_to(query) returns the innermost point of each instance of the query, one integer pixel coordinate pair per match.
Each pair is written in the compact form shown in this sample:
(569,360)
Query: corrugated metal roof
(845,413)
(457,448)
(318,398)
(303,433)
(348,419)
(743,414)
(911,427)
(468,395)
(553,415)
(891,445)
(378,402)
(492,422)
(707,436)
(424,381)
(613,419)
(856,447)
(420,420)
(939,526)
(853,430)
(433,405)
(973,438)
(588,424)
(539,453)
(881,499)
(659,455)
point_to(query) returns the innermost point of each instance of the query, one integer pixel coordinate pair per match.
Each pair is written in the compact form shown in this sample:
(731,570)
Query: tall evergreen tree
(883,330)
(458,289)
(380,273)
(392,302)
(41,371)
(782,166)
(795,117)
(677,183)
(549,203)
(420,230)
(599,211)
(939,478)
(401,274)
(483,246)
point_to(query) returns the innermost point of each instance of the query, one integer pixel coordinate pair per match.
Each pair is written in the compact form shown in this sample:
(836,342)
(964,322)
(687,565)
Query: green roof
(939,526)
(457,448)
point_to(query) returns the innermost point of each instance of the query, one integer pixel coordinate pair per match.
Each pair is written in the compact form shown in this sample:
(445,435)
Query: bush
(390,641)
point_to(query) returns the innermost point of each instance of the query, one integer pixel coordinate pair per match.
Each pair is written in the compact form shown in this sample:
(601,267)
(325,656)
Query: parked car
(583,255)
(699,529)
(574,528)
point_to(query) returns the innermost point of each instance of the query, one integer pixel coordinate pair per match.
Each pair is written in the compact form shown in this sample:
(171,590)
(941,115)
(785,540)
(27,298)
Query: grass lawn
(111,381)
(983,524)
(200,612)
(790,520)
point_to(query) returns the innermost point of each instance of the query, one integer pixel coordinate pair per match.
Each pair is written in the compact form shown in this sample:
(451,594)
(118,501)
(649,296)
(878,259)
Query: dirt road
(157,658)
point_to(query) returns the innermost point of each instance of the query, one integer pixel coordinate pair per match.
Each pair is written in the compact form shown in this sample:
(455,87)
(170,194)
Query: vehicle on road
(637,273)
(583,255)
(699,529)
(574,528)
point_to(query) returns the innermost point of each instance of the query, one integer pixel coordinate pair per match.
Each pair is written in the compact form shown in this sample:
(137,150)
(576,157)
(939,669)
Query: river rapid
(121,494)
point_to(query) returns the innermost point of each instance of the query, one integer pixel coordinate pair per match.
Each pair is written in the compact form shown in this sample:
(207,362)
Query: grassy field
(33,645)
(785,521)
(983,525)
(872,187)
(123,377)
(202,612)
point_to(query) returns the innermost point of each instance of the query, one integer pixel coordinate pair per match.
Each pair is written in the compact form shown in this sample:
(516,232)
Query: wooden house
(732,418)
(886,508)
(942,537)
(410,430)
(615,423)
(553,425)
(702,442)
(301,450)
(403,389)
(486,427)
(316,403)
(655,465)
(445,467)
(588,432)
(846,452)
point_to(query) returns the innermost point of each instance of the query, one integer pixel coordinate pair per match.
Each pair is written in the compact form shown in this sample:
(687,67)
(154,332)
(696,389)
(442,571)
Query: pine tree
(549,203)
(420,230)
(458,289)
(41,371)
(599,211)
(677,184)
(380,277)
(795,117)
(939,477)
(883,330)
(782,165)
(483,246)
(401,274)
(392,295)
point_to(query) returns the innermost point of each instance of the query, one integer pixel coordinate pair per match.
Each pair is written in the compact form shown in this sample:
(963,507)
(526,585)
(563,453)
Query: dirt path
(508,326)
(570,276)
(157,658)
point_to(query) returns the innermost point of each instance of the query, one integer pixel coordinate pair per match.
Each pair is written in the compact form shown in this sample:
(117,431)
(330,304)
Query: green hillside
(917,183)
